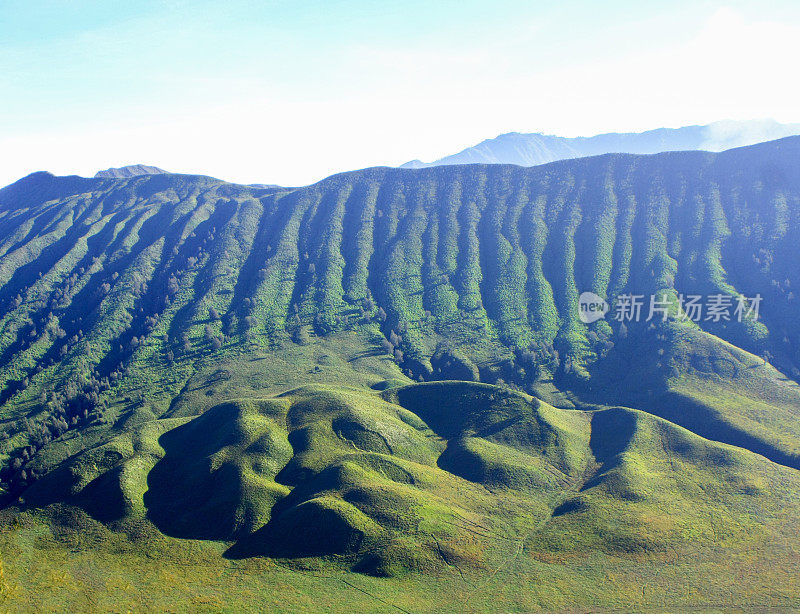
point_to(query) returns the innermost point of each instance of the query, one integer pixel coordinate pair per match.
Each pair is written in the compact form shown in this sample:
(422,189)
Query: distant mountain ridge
(535,148)
(133,170)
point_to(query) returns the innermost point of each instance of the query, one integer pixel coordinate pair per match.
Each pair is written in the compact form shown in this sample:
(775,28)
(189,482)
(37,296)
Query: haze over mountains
(535,148)
(383,379)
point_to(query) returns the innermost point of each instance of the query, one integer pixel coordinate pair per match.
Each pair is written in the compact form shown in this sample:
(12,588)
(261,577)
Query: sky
(289,92)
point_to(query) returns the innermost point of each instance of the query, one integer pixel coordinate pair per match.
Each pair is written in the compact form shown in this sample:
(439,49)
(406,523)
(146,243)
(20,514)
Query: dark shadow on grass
(198,490)
(612,433)
(302,525)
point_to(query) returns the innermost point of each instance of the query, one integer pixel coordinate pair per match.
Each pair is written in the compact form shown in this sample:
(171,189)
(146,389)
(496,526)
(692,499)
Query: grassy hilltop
(378,387)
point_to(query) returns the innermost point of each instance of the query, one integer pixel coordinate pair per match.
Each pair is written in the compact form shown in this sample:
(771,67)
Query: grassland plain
(210,393)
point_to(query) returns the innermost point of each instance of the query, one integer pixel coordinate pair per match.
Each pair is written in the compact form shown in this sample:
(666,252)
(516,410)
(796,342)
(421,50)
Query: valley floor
(44,567)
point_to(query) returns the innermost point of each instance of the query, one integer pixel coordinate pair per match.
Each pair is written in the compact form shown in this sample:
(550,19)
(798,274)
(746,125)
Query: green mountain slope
(187,359)
(128,284)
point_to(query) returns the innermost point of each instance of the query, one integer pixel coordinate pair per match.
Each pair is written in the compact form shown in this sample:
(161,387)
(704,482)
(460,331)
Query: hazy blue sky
(291,91)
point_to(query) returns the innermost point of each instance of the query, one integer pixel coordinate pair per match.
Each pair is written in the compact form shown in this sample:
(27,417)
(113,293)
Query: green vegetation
(379,386)
(452,490)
